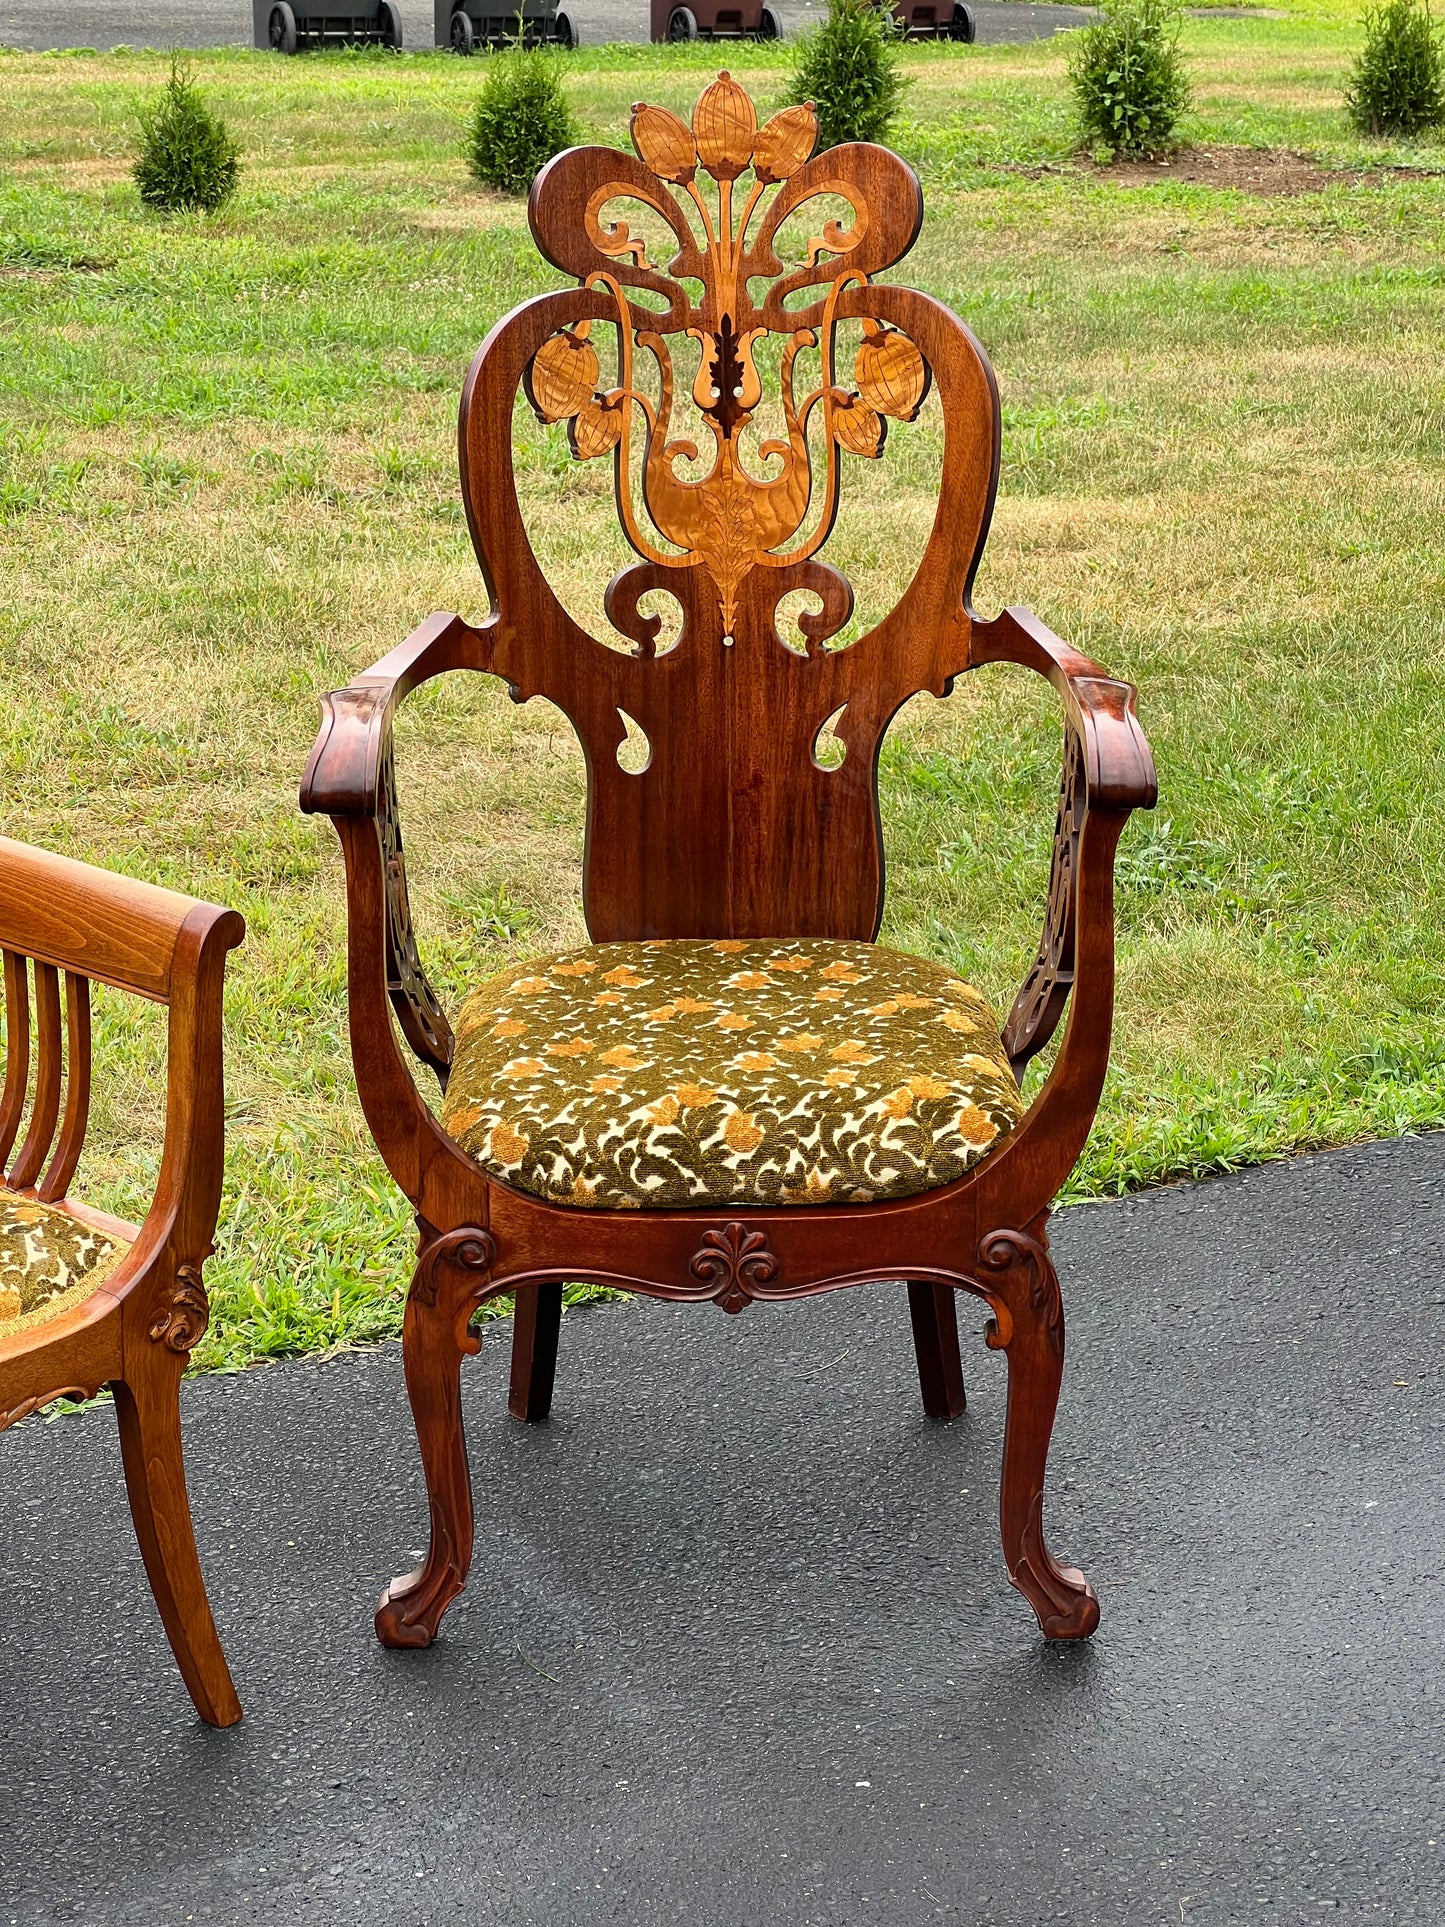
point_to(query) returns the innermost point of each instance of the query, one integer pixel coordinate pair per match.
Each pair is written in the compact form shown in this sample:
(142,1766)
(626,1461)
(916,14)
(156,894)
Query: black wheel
(964,26)
(462,37)
(770,27)
(281,31)
(566,33)
(682,24)
(388,21)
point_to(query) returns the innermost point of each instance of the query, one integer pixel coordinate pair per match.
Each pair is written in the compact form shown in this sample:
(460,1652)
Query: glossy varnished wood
(135,1333)
(733,828)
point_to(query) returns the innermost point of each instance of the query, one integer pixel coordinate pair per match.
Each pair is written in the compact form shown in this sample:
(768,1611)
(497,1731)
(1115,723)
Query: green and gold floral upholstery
(671,1074)
(48,1261)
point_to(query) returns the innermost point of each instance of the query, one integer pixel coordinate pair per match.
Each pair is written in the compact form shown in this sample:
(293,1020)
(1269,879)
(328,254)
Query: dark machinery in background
(945,20)
(715,20)
(756,20)
(286,26)
(465,24)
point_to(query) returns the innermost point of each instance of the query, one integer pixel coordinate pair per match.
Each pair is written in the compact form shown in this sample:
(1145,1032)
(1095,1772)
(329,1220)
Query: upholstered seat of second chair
(670,1074)
(48,1261)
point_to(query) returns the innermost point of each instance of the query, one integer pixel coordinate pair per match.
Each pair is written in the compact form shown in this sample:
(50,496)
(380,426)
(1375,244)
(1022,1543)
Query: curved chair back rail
(67,923)
(726,822)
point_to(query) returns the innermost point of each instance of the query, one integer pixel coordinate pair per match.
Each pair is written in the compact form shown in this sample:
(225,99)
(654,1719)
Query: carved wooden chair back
(734,827)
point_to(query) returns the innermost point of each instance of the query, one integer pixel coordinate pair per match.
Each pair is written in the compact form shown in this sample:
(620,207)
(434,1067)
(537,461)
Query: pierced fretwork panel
(739,378)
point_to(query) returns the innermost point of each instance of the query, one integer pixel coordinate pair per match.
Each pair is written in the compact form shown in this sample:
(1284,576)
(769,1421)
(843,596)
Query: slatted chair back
(734,827)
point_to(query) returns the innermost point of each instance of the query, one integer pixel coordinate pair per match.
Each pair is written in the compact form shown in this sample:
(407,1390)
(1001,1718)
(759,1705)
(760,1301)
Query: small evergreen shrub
(521,120)
(187,159)
(1397,85)
(1128,76)
(848,67)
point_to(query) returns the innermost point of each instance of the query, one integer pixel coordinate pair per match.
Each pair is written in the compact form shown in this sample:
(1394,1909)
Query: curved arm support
(1118,768)
(1108,772)
(351,777)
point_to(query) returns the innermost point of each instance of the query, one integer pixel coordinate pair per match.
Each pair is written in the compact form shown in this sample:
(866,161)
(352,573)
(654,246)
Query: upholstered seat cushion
(48,1261)
(686,1073)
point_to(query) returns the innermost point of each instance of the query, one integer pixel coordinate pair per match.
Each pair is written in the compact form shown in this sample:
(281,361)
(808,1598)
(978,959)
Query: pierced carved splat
(741,378)
(732,519)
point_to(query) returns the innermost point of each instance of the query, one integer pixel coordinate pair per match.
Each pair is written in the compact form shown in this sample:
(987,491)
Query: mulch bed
(1251,170)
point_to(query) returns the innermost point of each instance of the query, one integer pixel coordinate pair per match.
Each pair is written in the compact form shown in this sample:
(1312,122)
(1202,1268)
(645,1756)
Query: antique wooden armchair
(624,1134)
(85,1299)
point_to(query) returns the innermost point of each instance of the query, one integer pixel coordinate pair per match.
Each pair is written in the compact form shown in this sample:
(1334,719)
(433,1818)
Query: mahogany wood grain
(109,928)
(77,1090)
(732,829)
(17,1050)
(536,1328)
(137,1330)
(933,1309)
(45,1106)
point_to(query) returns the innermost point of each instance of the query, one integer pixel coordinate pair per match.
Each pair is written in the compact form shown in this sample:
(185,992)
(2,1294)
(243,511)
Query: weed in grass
(1397,84)
(187,159)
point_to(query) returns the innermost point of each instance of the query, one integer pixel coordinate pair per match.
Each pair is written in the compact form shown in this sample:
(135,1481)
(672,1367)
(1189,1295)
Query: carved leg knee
(449,1279)
(1030,1329)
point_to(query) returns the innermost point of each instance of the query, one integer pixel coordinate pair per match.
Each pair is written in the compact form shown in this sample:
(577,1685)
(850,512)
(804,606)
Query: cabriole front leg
(451,1279)
(1018,1276)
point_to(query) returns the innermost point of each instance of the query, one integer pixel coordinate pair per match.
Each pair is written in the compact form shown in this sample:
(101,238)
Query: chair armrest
(1118,769)
(92,925)
(345,769)
(351,775)
(96,924)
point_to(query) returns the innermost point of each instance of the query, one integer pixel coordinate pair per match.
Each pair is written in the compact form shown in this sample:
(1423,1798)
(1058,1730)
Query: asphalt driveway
(738,1646)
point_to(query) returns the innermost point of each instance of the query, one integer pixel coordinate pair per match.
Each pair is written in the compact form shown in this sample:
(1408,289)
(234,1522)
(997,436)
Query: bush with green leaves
(1128,75)
(187,159)
(1397,85)
(521,120)
(848,67)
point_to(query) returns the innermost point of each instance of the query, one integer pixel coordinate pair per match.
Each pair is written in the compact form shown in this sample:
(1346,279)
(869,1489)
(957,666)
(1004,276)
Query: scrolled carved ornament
(741,379)
(454,1269)
(181,1325)
(733,1264)
(1013,1268)
(732,519)
(26,1407)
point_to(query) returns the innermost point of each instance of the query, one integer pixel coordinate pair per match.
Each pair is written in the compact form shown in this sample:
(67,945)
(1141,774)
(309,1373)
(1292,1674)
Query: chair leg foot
(148,1411)
(934,1311)
(1031,1331)
(535,1328)
(411,1608)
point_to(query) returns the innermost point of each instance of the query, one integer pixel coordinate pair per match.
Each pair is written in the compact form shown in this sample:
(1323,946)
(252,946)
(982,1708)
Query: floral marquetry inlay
(723,187)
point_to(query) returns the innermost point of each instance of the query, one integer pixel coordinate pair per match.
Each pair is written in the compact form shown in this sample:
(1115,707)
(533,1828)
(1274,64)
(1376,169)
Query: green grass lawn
(227,482)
